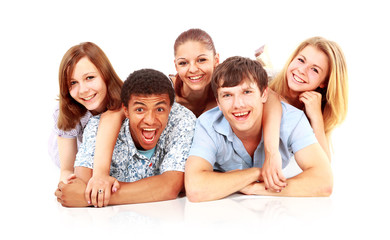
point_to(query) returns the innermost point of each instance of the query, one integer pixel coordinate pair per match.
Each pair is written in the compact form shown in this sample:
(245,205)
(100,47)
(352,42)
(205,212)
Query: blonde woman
(315,80)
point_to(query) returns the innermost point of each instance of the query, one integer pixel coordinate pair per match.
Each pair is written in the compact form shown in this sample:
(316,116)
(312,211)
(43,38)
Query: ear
(174,61)
(216,60)
(264,95)
(125,110)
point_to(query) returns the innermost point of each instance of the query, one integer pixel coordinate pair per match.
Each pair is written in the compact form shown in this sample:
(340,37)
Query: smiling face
(195,64)
(88,87)
(308,70)
(148,117)
(242,106)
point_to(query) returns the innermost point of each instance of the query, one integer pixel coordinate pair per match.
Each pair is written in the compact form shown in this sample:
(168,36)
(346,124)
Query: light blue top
(215,141)
(128,164)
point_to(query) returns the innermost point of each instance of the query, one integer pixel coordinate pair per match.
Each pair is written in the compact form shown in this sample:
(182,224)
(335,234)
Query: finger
(281,176)
(106,199)
(87,193)
(115,186)
(70,177)
(100,198)
(58,193)
(94,197)
(275,182)
(278,183)
(61,185)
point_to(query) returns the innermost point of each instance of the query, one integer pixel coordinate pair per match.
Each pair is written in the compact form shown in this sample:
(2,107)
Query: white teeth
(195,78)
(241,114)
(89,98)
(149,129)
(298,79)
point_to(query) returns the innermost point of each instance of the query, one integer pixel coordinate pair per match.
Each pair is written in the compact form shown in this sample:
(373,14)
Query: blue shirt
(128,164)
(215,141)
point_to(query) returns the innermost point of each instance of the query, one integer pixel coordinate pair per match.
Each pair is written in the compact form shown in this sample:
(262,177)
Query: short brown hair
(70,110)
(234,70)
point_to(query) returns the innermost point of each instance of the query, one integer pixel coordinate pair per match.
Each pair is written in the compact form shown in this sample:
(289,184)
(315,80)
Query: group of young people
(211,130)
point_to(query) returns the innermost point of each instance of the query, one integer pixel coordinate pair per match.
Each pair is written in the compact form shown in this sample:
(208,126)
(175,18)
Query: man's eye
(138,109)
(247,92)
(160,109)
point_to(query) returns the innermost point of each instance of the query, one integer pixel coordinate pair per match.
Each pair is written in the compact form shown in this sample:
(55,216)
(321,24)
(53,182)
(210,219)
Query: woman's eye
(90,77)
(301,60)
(202,60)
(315,70)
(72,83)
(182,63)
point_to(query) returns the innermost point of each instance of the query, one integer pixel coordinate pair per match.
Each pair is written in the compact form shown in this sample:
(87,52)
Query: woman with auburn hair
(315,80)
(88,86)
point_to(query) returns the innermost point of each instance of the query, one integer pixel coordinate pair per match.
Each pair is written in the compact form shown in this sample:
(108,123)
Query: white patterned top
(128,164)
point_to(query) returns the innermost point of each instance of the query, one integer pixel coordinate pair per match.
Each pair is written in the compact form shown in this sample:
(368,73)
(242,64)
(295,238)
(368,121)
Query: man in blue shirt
(228,150)
(151,149)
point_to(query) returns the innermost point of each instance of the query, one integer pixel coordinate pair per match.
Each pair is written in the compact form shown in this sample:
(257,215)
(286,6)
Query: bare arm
(316,180)
(272,167)
(109,127)
(67,149)
(162,187)
(203,184)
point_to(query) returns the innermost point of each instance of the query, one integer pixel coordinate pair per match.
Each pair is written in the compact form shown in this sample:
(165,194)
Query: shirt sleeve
(86,152)
(204,144)
(179,140)
(302,135)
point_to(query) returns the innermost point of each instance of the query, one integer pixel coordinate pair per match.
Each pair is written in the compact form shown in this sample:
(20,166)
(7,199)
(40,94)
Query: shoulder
(291,115)
(180,113)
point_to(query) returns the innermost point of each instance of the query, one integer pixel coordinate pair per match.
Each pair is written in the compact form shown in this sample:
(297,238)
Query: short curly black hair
(147,82)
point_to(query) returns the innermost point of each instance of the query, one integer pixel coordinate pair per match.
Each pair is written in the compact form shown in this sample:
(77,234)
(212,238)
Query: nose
(193,68)
(238,102)
(83,88)
(149,117)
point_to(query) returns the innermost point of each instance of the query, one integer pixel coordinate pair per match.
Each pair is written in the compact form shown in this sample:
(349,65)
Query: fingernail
(89,202)
(114,190)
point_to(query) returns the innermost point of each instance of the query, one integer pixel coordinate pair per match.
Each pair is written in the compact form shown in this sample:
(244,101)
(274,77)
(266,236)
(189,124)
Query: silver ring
(100,191)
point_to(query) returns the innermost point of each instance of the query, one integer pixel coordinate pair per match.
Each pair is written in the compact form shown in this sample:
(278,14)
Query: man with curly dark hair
(151,148)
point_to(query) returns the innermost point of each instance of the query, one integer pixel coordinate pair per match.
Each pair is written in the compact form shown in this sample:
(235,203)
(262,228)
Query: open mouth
(89,97)
(298,79)
(197,78)
(241,115)
(149,134)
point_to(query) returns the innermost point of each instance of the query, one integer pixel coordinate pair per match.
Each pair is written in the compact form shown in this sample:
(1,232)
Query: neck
(293,99)
(250,140)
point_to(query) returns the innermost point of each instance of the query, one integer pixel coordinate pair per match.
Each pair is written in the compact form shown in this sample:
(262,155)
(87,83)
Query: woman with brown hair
(88,86)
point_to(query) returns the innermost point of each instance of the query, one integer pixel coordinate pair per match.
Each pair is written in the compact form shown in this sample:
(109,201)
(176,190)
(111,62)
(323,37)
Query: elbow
(193,196)
(326,188)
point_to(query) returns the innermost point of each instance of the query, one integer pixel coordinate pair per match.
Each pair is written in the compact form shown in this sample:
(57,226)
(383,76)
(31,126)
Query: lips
(241,115)
(298,79)
(148,134)
(89,97)
(196,78)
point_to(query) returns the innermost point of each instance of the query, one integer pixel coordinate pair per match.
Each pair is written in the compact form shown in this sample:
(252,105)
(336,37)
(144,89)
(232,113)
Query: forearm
(272,115)
(162,187)
(109,127)
(67,150)
(209,185)
(319,131)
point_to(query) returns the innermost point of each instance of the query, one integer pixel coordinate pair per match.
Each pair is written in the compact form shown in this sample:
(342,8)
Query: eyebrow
(313,64)
(143,104)
(201,55)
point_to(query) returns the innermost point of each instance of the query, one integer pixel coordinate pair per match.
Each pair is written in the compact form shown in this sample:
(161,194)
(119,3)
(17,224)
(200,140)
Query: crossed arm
(162,187)
(203,184)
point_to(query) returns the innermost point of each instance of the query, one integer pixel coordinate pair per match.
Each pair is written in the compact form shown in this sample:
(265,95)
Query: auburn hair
(70,111)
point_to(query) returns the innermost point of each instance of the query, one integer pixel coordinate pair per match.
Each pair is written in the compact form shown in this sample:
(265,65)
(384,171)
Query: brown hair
(70,110)
(234,70)
(196,35)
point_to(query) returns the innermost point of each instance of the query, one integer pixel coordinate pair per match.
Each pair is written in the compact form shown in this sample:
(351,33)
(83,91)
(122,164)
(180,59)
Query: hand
(72,193)
(106,184)
(272,172)
(312,101)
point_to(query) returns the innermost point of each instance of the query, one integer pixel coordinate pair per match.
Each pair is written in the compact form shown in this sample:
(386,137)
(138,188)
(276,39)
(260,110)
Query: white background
(34,35)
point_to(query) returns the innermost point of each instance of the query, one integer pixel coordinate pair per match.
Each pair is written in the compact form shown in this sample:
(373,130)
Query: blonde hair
(335,101)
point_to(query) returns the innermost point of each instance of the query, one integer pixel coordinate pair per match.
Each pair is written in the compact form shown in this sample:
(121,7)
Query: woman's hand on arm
(272,167)
(109,127)
(312,101)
